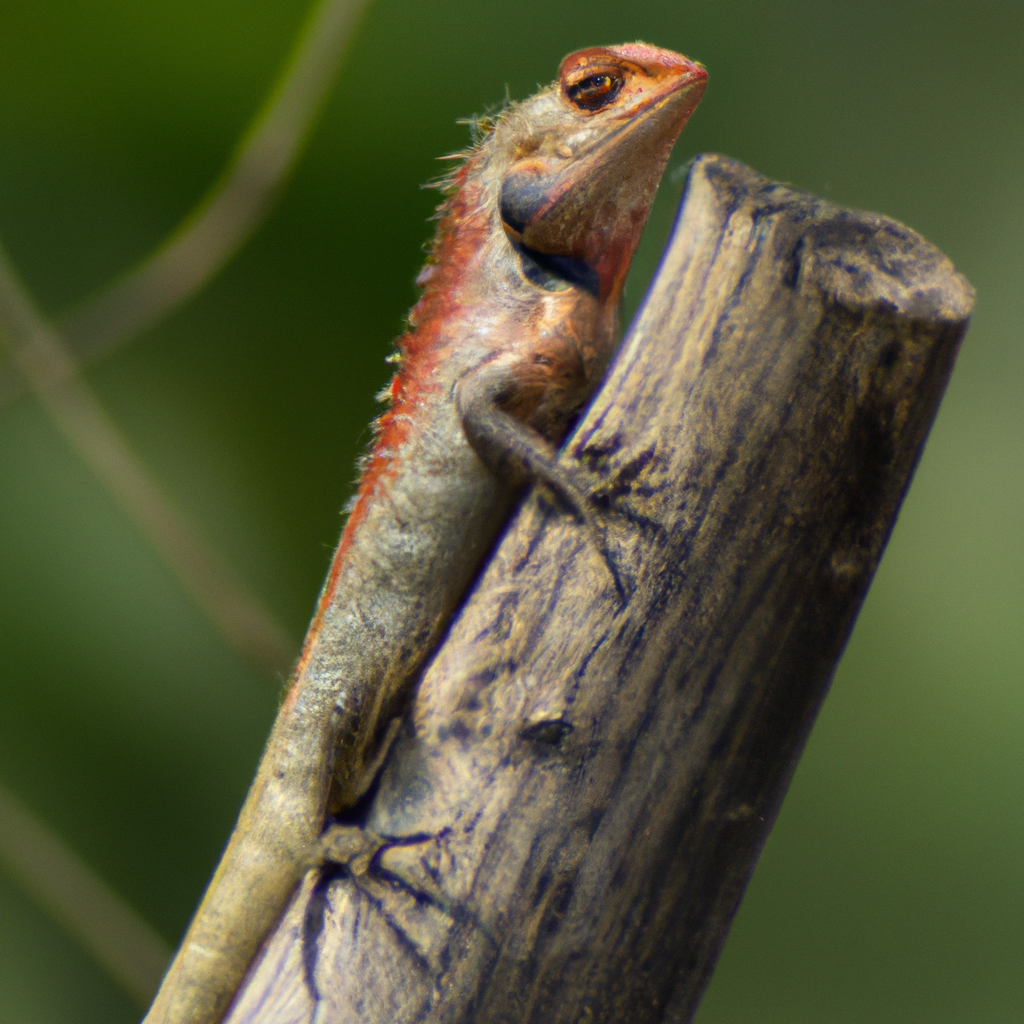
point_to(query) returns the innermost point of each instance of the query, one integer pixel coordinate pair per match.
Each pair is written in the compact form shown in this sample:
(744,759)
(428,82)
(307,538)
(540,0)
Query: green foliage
(891,889)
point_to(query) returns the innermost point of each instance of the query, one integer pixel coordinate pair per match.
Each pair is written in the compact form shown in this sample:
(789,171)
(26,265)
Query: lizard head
(583,158)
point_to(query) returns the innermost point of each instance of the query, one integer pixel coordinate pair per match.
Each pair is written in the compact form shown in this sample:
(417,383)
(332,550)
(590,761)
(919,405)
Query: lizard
(515,325)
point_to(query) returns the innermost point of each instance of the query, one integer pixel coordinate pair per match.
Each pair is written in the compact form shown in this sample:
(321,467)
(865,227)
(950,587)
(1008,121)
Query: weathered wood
(583,787)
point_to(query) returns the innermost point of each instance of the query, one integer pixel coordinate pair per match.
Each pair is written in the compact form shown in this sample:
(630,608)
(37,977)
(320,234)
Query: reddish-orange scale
(513,331)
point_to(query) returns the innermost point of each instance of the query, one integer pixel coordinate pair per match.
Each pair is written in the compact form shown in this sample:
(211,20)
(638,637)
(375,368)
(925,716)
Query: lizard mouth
(685,90)
(533,186)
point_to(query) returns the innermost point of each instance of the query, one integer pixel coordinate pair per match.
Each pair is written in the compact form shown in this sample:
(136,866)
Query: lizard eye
(595,89)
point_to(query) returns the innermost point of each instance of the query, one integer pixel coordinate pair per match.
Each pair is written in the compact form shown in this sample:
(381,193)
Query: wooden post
(583,785)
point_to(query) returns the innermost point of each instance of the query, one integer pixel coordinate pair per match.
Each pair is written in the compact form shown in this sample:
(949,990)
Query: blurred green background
(892,888)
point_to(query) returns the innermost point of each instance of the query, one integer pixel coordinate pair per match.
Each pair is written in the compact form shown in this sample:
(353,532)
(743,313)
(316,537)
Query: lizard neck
(455,278)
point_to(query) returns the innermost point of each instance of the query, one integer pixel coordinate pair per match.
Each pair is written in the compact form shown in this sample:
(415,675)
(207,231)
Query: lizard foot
(351,846)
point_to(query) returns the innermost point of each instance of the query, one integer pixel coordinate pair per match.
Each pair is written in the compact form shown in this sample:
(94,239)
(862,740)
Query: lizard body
(514,328)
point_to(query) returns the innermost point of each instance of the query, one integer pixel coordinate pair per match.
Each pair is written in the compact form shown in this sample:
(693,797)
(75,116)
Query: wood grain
(583,786)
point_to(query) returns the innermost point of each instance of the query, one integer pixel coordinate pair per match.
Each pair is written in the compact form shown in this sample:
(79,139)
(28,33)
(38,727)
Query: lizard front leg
(515,451)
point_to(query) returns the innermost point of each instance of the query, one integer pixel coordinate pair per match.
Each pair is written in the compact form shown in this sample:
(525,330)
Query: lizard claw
(598,534)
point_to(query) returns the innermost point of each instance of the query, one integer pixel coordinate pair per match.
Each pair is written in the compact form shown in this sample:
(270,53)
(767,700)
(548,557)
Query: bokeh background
(892,888)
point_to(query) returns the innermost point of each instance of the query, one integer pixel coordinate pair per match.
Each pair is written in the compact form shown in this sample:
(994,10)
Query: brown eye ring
(595,89)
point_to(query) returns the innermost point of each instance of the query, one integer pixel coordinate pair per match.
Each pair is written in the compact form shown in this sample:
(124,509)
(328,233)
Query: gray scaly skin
(515,326)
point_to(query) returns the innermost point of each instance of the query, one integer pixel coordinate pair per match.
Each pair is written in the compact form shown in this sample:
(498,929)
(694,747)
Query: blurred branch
(112,932)
(231,211)
(48,368)
(120,941)
(219,225)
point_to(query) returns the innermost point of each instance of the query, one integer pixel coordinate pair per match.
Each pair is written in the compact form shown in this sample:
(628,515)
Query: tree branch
(583,787)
